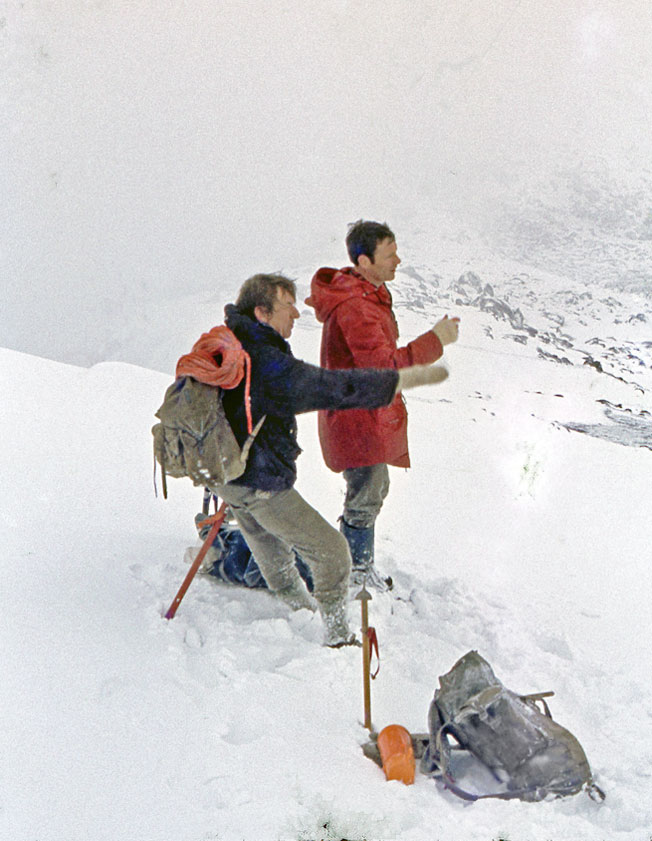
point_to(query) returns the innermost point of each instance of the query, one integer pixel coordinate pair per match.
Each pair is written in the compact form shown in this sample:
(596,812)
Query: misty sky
(160,150)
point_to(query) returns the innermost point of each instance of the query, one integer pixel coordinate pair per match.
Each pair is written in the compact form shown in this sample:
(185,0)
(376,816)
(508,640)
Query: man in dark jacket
(360,331)
(273,517)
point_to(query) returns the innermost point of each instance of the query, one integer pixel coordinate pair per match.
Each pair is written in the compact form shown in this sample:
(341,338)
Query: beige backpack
(194,437)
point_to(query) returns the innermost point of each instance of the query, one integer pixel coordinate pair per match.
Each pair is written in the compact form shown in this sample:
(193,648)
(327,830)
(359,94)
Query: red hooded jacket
(360,331)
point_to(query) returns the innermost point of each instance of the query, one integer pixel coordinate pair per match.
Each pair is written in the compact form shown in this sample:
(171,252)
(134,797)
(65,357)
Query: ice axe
(392,748)
(216,521)
(369,641)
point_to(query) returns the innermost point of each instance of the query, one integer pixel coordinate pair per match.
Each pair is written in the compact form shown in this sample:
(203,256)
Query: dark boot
(361,544)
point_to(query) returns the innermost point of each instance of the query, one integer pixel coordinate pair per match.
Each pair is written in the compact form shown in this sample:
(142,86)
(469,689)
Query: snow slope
(511,535)
(157,156)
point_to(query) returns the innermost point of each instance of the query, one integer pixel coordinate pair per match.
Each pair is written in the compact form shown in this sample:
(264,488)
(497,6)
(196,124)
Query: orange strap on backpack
(217,358)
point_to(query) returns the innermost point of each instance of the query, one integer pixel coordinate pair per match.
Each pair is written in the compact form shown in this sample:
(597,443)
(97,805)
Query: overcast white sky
(161,149)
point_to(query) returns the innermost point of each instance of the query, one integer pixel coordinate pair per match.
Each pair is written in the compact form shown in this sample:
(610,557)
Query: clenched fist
(447,330)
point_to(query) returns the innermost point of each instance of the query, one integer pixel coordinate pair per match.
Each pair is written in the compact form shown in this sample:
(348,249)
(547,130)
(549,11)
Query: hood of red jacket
(329,287)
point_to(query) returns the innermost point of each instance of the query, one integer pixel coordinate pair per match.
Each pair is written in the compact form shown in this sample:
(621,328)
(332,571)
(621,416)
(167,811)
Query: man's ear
(261,314)
(364,262)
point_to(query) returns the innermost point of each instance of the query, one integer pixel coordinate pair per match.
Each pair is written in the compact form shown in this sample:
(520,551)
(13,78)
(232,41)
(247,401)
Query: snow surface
(157,156)
(510,534)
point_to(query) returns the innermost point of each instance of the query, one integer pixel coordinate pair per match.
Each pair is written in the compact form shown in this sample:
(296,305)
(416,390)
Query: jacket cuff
(426,348)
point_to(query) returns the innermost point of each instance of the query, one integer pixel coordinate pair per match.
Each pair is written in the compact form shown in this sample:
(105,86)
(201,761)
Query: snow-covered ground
(511,535)
(156,156)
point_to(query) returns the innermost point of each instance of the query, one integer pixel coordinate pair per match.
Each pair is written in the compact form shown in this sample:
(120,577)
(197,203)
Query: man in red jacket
(360,331)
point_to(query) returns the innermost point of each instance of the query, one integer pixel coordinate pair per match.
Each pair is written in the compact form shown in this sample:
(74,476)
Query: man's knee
(343,553)
(331,575)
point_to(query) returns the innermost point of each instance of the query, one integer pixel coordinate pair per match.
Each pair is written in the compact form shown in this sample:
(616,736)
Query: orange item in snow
(395,745)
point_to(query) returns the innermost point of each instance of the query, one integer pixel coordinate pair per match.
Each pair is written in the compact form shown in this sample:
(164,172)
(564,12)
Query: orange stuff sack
(395,746)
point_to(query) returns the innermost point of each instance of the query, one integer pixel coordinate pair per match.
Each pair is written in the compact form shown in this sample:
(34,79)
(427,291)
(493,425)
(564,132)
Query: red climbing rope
(217,358)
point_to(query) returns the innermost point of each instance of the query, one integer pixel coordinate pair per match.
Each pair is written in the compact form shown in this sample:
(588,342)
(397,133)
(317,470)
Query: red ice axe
(217,519)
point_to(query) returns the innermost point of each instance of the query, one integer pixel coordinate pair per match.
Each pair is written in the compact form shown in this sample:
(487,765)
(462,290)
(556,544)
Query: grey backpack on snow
(510,746)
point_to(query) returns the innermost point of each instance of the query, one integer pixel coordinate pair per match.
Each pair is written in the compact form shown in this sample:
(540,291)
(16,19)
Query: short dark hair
(363,237)
(260,290)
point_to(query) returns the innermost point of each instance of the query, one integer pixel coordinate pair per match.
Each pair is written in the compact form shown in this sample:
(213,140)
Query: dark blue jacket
(283,387)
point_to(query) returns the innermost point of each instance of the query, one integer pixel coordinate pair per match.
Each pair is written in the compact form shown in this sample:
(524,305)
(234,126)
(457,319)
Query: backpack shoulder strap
(444,749)
(250,439)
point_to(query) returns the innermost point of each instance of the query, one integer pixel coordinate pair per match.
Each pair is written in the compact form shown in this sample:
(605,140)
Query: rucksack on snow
(512,747)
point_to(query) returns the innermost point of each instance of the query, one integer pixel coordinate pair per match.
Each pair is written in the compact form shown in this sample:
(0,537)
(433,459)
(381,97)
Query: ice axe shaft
(365,597)
(217,521)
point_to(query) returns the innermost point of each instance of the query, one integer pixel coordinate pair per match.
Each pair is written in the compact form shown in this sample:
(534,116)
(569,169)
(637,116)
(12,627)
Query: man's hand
(447,330)
(417,375)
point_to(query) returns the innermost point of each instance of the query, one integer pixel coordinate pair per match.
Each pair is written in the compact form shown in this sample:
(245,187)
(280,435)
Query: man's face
(383,267)
(283,315)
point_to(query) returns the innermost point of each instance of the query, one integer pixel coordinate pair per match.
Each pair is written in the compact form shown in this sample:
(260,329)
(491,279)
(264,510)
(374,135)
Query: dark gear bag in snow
(194,437)
(528,754)
(233,560)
